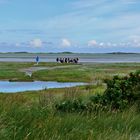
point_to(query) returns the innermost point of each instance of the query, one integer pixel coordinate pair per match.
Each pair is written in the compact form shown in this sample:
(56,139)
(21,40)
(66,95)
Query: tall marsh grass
(36,123)
(21,118)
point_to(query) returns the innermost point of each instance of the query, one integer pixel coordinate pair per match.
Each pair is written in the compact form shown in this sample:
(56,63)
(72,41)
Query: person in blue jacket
(37,60)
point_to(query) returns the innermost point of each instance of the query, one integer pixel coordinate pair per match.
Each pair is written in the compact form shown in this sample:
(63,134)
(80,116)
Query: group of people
(62,60)
(67,60)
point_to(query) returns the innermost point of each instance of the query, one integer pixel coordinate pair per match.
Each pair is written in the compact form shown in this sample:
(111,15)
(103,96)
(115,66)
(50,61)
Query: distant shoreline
(66,53)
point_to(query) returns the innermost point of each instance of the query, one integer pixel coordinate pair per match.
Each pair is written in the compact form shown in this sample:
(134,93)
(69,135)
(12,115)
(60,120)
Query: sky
(93,26)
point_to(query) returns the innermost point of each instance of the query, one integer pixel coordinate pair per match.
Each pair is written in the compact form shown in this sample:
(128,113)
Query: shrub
(121,92)
(71,106)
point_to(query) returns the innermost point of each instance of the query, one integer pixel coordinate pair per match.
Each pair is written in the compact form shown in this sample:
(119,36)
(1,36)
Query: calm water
(13,87)
(99,58)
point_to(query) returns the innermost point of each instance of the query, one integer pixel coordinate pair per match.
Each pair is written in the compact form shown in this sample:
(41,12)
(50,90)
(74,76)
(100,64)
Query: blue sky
(70,25)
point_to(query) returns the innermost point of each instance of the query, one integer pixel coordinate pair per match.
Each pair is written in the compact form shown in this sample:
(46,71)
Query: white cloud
(108,22)
(92,43)
(101,44)
(105,45)
(17,44)
(65,42)
(37,43)
(135,40)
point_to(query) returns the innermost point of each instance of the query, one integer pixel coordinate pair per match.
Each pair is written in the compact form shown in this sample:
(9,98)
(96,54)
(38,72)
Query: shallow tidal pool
(13,87)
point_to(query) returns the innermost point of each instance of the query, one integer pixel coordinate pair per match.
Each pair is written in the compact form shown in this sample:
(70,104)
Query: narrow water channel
(13,87)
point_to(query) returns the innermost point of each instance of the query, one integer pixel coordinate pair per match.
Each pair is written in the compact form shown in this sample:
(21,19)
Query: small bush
(71,106)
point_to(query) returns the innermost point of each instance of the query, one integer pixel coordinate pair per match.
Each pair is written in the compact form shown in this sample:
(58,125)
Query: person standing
(37,60)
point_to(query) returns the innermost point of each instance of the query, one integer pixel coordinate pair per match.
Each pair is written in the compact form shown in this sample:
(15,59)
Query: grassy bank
(72,73)
(13,70)
(85,73)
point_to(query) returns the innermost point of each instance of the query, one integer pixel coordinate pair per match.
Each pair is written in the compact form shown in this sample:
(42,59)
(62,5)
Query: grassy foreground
(22,118)
(33,116)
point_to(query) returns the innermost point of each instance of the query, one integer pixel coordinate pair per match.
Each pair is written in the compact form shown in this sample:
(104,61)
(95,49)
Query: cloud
(109,21)
(65,42)
(17,44)
(95,44)
(92,43)
(105,20)
(135,40)
(101,44)
(37,43)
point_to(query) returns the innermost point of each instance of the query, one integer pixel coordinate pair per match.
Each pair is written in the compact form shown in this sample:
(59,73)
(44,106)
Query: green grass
(22,118)
(63,75)
(12,70)
(32,116)
(72,73)
(85,73)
